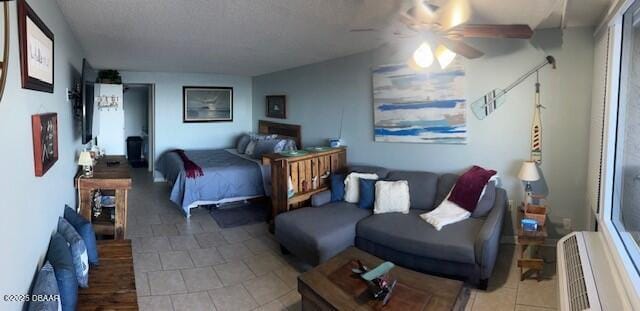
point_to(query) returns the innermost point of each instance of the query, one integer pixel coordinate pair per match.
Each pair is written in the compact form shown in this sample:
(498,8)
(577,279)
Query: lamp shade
(528,171)
(85,159)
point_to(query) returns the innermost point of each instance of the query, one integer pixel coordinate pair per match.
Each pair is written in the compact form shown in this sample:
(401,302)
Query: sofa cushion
(445,184)
(337,187)
(78,251)
(316,234)
(392,197)
(60,258)
(412,235)
(367,193)
(45,284)
(369,169)
(85,229)
(485,204)
(422,187)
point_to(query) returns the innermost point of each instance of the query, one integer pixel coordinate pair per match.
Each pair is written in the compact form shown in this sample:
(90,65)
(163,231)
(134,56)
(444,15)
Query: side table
(530,241)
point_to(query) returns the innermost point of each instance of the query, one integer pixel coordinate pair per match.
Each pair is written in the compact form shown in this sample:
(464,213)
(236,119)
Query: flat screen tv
(89,76)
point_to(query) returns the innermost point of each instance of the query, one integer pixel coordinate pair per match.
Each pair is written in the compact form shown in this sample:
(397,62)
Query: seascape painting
(419,106)
(207,104)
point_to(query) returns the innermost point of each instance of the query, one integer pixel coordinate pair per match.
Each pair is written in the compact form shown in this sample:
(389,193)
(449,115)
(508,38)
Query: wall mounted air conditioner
(586,279)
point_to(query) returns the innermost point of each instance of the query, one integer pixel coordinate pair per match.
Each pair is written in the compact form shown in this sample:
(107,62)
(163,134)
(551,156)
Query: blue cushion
(367,193)
(60,258)
(78,251)
(337,187)
(45,285)
(85,230)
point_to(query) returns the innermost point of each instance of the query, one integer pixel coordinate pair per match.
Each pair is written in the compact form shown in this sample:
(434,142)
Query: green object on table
(317,148)
(378,271)
(293,153)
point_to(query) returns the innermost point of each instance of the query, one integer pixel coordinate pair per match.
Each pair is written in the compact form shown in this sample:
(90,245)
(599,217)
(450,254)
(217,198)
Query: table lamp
(86,162)
(528,173)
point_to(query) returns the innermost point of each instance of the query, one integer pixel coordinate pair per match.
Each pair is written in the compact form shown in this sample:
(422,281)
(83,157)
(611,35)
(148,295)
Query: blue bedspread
(226,175)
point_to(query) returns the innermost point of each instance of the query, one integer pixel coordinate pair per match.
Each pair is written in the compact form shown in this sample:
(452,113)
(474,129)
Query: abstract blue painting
(419,106)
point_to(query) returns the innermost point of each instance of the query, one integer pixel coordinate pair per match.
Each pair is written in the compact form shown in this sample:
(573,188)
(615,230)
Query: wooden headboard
(289,130)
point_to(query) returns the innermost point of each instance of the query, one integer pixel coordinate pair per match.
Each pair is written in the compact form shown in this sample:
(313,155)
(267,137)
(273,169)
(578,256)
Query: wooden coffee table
(332,286)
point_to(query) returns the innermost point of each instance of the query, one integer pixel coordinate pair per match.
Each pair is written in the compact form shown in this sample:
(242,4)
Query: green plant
(109,76)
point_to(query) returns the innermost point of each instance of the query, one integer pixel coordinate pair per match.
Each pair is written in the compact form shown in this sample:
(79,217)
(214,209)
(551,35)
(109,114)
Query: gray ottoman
(316,234)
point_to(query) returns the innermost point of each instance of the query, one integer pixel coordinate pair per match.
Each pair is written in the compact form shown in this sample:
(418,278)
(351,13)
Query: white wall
(29,205)
(317,93)
(171,132)
(110,121)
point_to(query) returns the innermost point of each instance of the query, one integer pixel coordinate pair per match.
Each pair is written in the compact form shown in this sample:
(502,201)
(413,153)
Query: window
(625,213)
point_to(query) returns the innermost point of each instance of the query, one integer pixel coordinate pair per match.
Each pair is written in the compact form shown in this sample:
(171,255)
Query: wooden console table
(302,170)
(105,177)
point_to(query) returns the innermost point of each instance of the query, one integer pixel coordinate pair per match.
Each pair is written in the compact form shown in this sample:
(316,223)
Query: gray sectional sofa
(465,250)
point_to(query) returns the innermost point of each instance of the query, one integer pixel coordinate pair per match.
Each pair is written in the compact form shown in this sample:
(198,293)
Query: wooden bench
(112,284)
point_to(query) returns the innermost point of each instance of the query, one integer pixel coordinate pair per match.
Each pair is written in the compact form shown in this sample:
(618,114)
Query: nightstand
(529,242)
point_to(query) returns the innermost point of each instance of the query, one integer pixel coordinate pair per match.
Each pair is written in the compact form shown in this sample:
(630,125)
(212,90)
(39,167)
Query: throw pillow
(337,187)
(78,251)
(351,186)
(485,204)
(45,284)
(266,146)
(391,197)
(60,258)
(367,193)
(250,147)
(85,229)
(242,143)
(468,188)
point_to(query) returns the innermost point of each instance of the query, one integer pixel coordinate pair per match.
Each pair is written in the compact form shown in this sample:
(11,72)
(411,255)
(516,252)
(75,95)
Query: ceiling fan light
(444,56)
(423,56)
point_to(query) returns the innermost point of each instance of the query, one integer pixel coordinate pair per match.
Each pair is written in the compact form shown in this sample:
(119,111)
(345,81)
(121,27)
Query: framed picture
(207,104)
(277,106)
(36,50)
(45,141)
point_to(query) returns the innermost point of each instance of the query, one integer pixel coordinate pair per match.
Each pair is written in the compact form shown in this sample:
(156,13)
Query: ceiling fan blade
(461,48)
(518,31)
(362,30)
(454,13)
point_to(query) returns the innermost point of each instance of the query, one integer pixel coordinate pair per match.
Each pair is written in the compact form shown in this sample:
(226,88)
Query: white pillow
(392,197)
(352,186)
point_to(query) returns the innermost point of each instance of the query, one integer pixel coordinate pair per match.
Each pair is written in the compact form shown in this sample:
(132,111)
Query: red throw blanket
(191,168)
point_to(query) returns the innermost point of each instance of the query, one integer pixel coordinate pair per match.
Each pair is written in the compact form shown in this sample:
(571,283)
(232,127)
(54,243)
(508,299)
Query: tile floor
(194,265)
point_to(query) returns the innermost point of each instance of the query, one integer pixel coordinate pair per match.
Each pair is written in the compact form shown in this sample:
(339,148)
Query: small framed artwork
(45,141)
(207,104)
(36,50)
(277,106)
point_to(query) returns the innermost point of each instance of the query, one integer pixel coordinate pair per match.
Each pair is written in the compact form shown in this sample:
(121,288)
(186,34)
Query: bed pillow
(251,147)
(85,229)
(352,187)
(392,197)
(367,193)
(45,285)
(469,186)
(263,147)
(242,143)
(60,258)
(78,251)
(337,187)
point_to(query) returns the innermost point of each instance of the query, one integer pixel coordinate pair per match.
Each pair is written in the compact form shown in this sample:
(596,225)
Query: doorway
(138,104)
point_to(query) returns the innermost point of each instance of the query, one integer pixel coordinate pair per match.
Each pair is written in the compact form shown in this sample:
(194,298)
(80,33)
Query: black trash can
(134,148)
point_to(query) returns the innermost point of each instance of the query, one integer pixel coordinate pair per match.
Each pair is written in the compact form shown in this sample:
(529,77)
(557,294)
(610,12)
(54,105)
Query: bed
(227,175)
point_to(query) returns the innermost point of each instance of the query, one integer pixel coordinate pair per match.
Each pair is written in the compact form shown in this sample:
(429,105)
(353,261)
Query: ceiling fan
(446,27)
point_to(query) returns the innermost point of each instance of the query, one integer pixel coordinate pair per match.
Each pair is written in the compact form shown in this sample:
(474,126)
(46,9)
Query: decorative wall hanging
(36,50)
(488,103)
(207,104)
(277,106)
(44,128)
(107,102)
(419,106)
(536,127)
(5,52)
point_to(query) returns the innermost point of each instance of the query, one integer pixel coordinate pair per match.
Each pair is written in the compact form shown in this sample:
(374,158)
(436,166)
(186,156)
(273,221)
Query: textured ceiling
(252,37)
